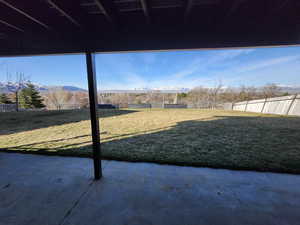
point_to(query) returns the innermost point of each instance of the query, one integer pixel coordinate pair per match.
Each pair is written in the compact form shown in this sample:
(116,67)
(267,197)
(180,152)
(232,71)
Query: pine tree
(24,98)
(30,98)
(4,99)
(37,100)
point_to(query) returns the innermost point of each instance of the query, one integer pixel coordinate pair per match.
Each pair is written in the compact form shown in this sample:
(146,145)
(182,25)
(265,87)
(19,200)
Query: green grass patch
(213,138)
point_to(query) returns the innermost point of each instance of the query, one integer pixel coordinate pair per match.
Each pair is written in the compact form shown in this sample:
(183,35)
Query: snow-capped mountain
(11,87)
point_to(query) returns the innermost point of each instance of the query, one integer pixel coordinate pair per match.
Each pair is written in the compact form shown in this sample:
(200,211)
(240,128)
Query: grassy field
(219,139)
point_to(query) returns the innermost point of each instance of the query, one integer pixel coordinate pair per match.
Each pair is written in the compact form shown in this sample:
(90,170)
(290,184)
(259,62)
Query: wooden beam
(105,9)
(142,40)
(232,7)
(235,5)
(11,26)
(187,11)
(145,7)
(281,5)
(92,84)
(25,14)
(56,6)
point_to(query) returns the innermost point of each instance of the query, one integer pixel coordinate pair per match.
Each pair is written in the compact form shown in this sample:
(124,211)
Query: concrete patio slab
(60,190)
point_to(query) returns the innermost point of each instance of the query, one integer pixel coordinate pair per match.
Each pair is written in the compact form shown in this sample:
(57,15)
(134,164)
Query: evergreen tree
(30,98)
(24,98)
(4,99)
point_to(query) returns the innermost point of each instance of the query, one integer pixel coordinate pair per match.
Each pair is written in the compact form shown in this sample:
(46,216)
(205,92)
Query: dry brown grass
(215,138)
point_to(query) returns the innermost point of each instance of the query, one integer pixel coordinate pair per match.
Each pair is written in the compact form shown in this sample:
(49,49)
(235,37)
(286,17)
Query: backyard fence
(174,106)
(139,106)
(7,107)
(286,105)
(108,106)
(156,105)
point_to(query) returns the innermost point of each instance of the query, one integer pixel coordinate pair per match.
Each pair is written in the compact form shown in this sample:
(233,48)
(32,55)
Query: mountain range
(9,87)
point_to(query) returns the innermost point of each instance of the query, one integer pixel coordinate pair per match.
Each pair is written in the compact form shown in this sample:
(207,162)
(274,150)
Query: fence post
(246,106)
(262,110)
(290,106)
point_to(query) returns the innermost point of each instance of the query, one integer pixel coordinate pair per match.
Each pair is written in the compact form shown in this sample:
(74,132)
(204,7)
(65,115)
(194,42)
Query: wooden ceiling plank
(145,6)
(100,5)
(56,6)
(11,26)
(25,14)
(187,11)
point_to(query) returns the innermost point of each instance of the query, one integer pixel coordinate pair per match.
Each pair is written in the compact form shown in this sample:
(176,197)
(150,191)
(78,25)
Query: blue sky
(164,70)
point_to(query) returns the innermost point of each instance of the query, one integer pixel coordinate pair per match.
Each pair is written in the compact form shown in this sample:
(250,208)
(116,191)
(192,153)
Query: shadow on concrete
(250,143)
(14,122)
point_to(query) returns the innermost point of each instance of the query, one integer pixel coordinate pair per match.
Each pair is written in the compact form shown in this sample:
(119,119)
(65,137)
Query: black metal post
(91,75)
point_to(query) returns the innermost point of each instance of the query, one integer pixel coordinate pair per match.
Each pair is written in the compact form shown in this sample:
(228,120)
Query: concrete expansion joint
(69,211)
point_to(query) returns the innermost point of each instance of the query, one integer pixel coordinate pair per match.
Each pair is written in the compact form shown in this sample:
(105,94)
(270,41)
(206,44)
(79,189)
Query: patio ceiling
(71,26)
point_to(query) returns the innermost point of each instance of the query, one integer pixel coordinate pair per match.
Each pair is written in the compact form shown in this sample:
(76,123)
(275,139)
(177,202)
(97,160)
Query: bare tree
(199,97)
(214,94)
(15,83)
(247,93)
(270,90)
(58,97)
(228,95)
(82,99)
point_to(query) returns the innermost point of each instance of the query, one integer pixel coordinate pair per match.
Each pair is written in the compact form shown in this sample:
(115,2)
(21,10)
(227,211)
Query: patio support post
(91,75)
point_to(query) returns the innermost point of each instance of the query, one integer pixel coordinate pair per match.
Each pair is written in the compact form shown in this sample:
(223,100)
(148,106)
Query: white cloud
(267,63)
(135,80)
(179,79)
(204,67)
(185,72)
(230,54)
(129,81)
(201,63)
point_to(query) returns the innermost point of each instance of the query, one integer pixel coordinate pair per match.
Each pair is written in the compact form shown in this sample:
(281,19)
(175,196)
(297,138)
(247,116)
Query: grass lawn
(212,138)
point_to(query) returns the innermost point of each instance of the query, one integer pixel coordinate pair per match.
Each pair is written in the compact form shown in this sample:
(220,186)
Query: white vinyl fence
(286,105)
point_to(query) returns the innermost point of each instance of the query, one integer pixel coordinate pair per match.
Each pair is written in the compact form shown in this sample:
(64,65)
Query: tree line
(27,98)
(198,97)
(56,98)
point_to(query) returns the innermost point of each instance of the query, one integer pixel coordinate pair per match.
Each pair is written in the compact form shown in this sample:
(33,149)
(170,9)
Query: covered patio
(55,190)
(60,190)
(97,26)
